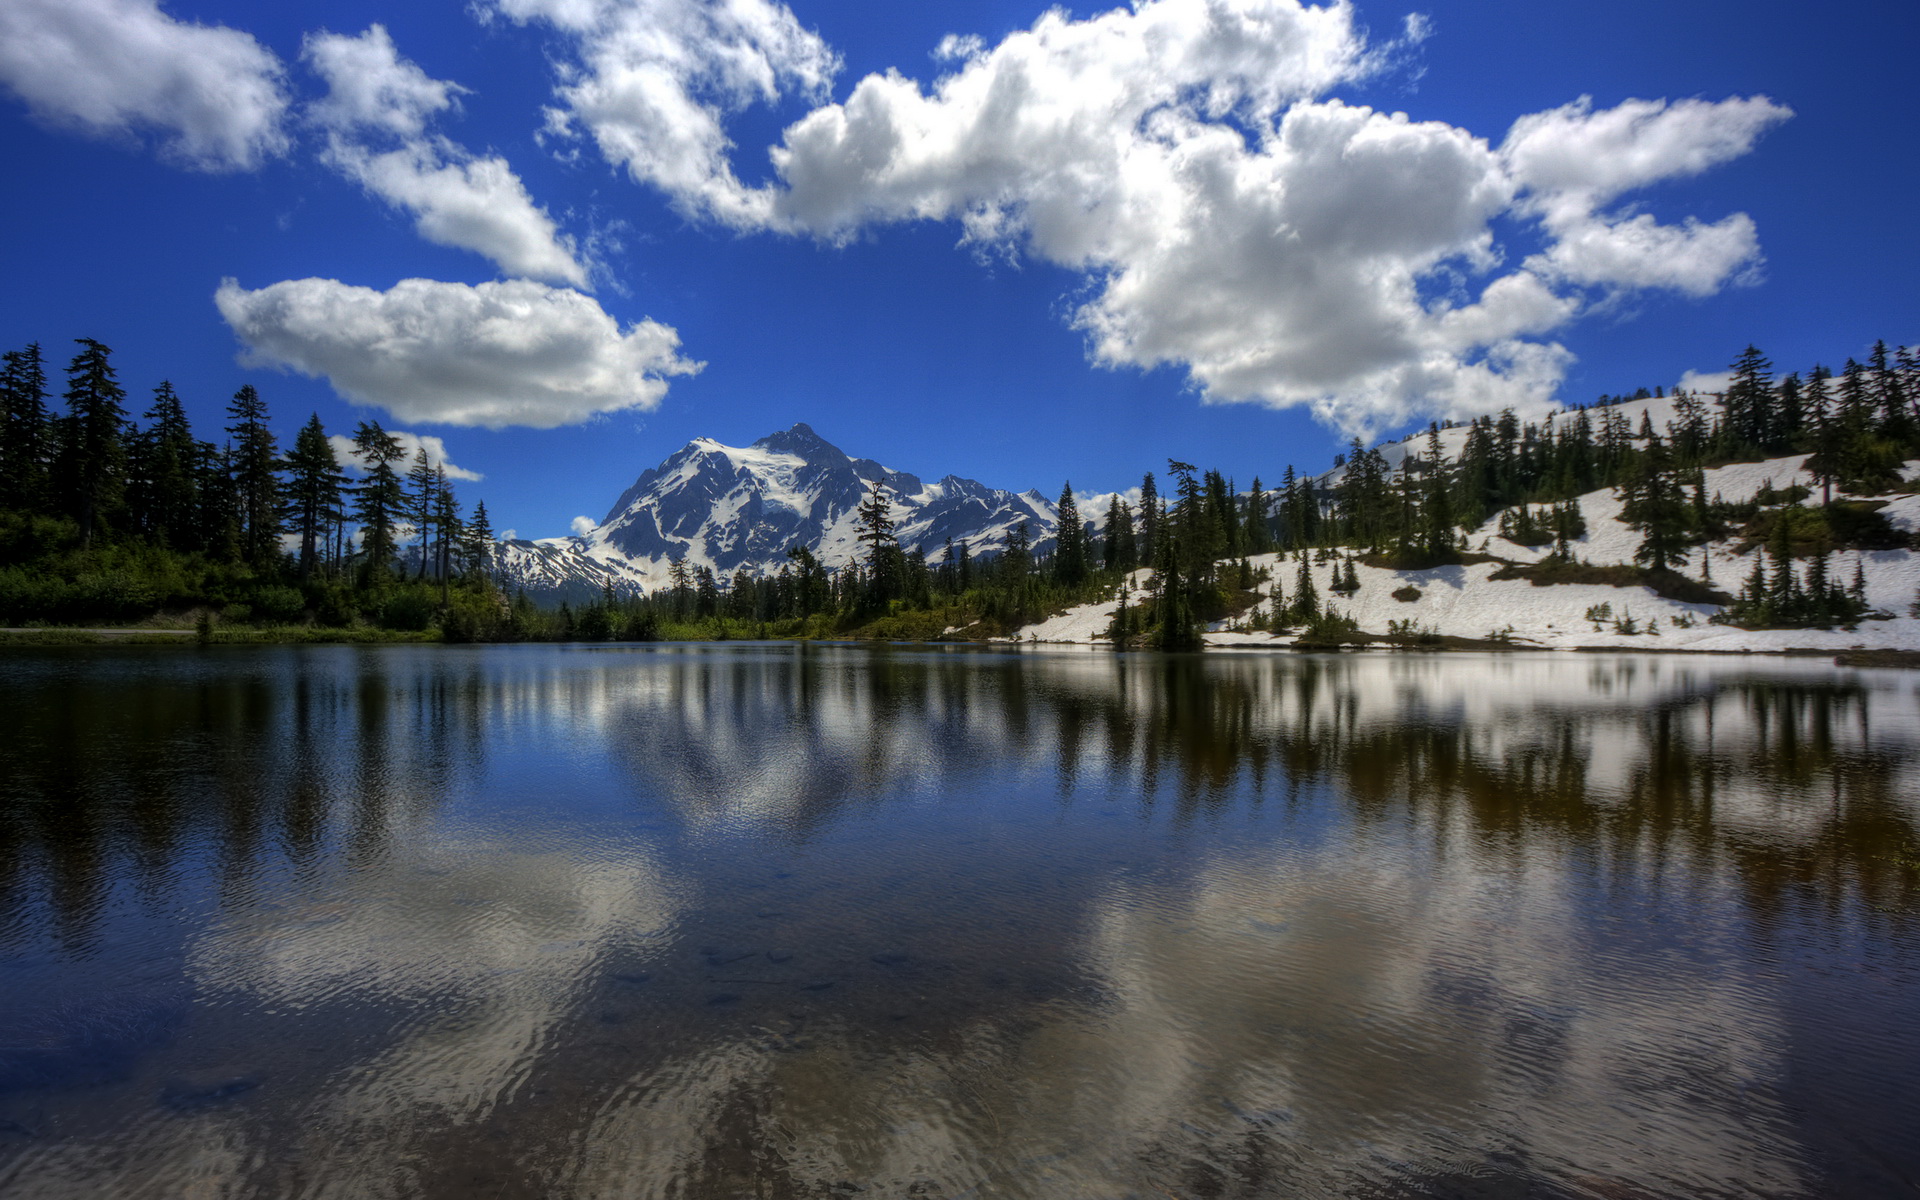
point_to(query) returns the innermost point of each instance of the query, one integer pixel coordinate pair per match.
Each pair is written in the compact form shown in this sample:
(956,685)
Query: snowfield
(1462,601)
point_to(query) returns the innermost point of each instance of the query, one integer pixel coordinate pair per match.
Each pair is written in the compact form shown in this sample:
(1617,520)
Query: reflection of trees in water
(143,766)
(1800,778)
(1332,1019)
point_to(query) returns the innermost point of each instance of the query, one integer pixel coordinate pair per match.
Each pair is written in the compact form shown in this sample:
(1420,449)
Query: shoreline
(1883,657)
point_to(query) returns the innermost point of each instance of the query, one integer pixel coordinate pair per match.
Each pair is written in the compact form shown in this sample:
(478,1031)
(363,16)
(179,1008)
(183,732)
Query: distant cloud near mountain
(214,96)
(491,354)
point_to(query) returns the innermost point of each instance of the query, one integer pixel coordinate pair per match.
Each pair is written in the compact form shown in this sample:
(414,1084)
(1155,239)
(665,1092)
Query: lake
(745,920)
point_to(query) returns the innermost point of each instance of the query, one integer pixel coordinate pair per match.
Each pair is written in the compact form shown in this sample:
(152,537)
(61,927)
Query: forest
(109,520)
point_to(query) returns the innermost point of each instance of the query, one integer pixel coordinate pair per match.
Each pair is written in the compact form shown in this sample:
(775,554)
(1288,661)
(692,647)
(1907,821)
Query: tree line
(105,517)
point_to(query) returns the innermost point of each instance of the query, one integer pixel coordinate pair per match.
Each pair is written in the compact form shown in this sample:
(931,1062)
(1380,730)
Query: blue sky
(1189,230)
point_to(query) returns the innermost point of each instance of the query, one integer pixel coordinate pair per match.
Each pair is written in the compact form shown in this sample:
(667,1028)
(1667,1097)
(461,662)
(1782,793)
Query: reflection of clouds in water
(467,962)
(1321,1024)
(1428,967)
(492,948)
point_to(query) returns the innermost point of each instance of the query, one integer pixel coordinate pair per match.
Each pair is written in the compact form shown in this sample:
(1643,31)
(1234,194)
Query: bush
(472,617)
(278,604)
(411,609)
(1407,594)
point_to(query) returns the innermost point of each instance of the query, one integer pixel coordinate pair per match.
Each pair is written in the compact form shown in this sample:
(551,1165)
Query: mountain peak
(800,439)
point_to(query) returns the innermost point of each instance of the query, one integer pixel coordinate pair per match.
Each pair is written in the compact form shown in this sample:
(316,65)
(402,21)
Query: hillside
(1465,601)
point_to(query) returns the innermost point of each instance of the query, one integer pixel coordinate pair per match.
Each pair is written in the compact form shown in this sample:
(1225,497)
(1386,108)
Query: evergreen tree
(876,533)
(92,461)
(252,459)
(1258,527)
(1114,532)
(423,491)
(170,497)
(1149,541)
(1437,511)
(381,497)
(313,490)
(24,439)
(479,544)
(1174,625)
(1656,505)
(1070,560)
(1824,434)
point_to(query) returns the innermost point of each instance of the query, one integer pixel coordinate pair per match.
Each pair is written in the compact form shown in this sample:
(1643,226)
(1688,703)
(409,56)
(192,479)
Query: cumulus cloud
(412,444)
(214,96)
(653,82)
(1570,162)
(494,354)
(376,115)
(582,526)
(1228,217)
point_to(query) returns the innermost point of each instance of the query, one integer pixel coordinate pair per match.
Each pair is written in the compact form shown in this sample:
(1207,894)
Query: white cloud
(411,444)
(1570,162)
(1706,381)
(214,95)
(1229,219)
(376,115)
(653,82)
(492,354)
(582,526)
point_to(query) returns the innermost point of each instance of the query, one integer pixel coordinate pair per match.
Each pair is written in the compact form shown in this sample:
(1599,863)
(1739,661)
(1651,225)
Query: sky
(557,239)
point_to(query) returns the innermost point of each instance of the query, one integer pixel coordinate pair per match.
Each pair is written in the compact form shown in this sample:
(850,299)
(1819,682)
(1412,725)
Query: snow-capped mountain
(729,507)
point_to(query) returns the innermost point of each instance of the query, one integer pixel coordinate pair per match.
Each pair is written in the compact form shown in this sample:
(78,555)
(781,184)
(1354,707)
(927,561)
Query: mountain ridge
(733,508)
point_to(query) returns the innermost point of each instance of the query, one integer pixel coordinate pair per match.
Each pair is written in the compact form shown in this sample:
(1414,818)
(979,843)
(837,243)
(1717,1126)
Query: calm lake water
(778,921)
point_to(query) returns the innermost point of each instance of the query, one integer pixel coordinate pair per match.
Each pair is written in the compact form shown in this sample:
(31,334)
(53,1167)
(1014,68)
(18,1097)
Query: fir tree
(1118,548)
(170,496)
(314,487)
(92,460)
(479,544)
(23,430)
(252,459)
(381,498)
(1070,565)
(1149,541)
(876,534)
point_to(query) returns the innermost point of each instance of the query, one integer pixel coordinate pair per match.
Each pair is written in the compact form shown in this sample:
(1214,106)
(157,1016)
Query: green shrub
(411,609)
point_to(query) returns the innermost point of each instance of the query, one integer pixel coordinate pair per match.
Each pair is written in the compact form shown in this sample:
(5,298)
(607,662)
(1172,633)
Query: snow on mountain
(729,508)
(1464,601)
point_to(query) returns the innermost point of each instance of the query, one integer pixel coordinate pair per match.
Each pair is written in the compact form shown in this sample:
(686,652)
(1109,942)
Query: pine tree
(313,490)
(24,438)
(1117,544)
(1149,541)
(1258,527)
(1656,505)
(381,496)
(1825,435)
(1070,565)
(478,556)
(170,496)
(876,533)
(92,461)
(423,488)
(252,458)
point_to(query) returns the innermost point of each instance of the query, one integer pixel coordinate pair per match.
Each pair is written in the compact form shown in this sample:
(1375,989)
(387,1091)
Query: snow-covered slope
(729,507)
(1462,601)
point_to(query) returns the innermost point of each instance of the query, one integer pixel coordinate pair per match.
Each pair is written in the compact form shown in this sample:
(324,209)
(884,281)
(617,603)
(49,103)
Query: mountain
(729,508)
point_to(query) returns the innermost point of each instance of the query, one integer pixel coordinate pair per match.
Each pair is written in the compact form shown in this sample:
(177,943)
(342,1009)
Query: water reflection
(777,921)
